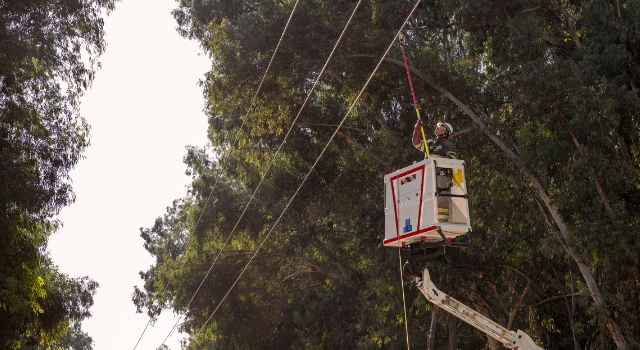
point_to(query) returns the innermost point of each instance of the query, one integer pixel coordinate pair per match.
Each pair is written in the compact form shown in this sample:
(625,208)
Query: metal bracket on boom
(510,339)
(423,252)
(448,243)
(416,247)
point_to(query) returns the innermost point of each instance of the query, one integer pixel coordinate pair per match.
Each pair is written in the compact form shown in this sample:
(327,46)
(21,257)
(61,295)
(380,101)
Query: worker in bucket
(441,147)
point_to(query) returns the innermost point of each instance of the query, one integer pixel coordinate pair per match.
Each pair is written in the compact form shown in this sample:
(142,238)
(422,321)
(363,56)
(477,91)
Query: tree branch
(560,296)
(594,179)
(531,9)
(375,112)
(342,127)
(462,132)
(519,305)
(313,268)
(572,31)
(362,148)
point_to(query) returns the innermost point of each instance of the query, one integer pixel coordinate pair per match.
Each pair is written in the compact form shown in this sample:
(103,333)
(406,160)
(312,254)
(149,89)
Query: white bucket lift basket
(424,200)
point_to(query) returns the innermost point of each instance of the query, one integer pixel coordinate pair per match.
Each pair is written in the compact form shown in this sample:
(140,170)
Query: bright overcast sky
(144,108)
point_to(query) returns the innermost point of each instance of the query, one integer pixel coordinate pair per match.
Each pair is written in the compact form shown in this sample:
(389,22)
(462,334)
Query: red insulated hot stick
(413,94)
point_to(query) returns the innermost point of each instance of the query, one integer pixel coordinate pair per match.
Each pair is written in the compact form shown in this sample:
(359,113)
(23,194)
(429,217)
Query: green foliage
(556,82)
(55,305)
(48,51)
(71,338)
(75,339)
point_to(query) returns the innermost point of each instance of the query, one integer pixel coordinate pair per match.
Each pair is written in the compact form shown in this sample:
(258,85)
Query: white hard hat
(447,126)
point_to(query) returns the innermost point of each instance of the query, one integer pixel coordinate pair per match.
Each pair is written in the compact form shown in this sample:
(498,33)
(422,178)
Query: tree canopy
(48,57)
(544,97)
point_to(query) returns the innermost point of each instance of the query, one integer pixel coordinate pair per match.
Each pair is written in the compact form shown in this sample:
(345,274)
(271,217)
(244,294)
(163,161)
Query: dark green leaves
(48,52)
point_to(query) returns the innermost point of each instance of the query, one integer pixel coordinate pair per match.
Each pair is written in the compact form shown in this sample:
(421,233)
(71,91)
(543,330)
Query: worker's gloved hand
(416,132)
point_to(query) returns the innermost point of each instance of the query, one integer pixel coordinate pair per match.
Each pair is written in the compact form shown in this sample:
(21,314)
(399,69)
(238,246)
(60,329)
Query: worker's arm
(417,133)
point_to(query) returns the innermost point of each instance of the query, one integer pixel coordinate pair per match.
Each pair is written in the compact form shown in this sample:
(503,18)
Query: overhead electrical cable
(310,170)
(273,159)
(235,141)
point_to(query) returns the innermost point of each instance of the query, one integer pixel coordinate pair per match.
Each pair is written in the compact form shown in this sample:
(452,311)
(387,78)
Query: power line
(284,31)
(312,167)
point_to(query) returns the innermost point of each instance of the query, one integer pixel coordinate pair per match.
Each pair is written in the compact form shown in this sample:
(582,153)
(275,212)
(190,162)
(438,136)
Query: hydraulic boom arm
(510,339)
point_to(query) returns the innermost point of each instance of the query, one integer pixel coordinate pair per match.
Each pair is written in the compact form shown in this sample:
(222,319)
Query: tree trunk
(565,14)
(452,324)
(572,312)
(625,152)
(483,308)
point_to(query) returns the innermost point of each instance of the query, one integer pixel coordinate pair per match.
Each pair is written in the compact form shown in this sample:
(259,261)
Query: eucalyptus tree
(543,96)
(557,97)
(48,57)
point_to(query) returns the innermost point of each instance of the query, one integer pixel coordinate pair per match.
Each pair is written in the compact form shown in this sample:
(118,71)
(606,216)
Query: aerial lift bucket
(427,202)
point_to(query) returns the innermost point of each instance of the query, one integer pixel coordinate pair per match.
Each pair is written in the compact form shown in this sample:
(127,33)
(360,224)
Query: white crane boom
(510,339)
